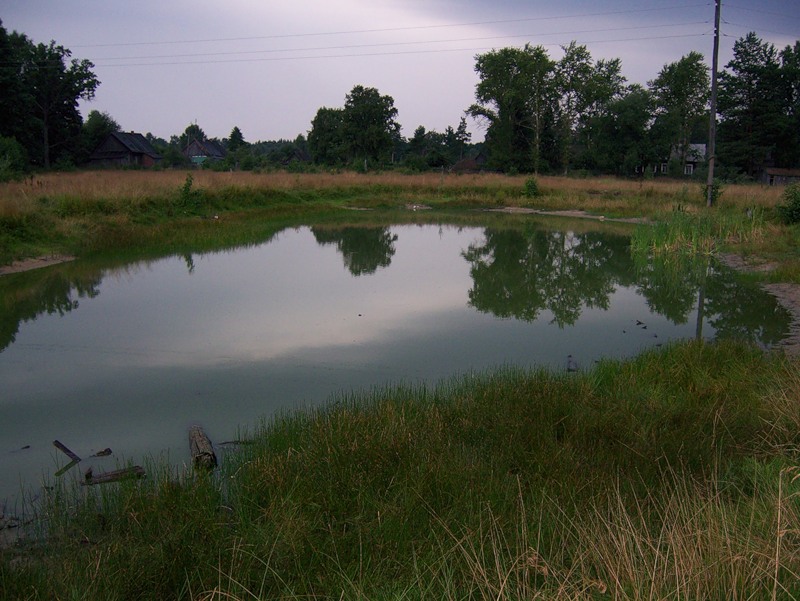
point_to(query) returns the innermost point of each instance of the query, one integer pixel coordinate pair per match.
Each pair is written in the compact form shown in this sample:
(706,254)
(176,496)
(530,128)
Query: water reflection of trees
(364,250)
(520,273)
(24,297)
(744,311)
(515,273)
(676,286)
(670,286)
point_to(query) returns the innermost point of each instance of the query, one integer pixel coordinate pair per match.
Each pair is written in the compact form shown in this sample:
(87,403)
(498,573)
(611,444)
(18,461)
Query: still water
(129,356)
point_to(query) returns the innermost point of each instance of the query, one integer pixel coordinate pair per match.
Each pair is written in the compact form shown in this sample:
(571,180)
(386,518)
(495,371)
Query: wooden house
(124,149)
(474,164)
(774,176)
(200,151)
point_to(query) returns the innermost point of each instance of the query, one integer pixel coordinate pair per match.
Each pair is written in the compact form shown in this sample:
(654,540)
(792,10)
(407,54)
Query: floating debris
(61,447)
(127,473)
(572,365)
(203,455)
(67,467)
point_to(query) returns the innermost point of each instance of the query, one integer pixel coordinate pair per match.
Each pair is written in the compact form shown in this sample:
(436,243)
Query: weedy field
(670,476)
(86,212)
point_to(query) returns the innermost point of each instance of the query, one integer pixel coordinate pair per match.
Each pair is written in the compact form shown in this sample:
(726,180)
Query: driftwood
(66,451)
(66,468)
(129,472)
(203,456)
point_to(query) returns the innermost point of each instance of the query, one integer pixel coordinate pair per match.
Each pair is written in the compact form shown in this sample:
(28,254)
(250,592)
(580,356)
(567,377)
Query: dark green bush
(13,159)
(532,188)
(790,212)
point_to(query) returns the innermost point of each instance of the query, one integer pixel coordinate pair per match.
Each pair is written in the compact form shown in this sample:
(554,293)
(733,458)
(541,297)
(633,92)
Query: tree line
(577,113)
(540,116)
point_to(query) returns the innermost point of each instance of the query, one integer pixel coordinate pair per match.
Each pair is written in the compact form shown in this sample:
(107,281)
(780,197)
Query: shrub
(790,212)
(716,191)
(13,159)
(532,188)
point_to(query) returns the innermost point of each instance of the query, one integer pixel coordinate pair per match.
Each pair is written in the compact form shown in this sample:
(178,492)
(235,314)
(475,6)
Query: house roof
(695,153)
(208,148)
(136,143)
(782,172)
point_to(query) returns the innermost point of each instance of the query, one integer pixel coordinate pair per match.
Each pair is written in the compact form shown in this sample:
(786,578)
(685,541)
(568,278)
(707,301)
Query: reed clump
(668,476)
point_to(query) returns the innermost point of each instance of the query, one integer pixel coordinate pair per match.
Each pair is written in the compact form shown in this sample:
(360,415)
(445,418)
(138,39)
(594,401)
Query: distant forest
(573,115)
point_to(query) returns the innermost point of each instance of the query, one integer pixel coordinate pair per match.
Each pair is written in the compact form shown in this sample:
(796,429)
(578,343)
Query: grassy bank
(670,476)
(90,212)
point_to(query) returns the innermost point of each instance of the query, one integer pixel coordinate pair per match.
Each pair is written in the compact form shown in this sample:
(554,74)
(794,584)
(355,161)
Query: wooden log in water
(136,471)
(66,451)
(203,455)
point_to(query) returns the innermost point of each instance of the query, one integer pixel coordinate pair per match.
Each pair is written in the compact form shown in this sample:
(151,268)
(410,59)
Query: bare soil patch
(35,263)
(576,214)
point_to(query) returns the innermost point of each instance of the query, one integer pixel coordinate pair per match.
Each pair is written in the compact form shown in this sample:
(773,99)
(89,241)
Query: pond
(129,356)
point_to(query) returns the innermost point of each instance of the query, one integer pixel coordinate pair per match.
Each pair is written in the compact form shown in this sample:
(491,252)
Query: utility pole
(712,126)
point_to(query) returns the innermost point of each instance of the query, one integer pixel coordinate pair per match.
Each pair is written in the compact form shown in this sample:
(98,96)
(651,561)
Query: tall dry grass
(557,191)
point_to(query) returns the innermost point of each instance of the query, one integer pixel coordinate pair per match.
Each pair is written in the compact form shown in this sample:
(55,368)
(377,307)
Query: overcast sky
(266,66)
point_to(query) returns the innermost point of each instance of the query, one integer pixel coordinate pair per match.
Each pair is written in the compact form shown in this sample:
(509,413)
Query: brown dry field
(558,192)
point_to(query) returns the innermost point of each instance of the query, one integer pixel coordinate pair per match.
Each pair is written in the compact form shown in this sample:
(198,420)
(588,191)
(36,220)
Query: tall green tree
(431,149)
(11,96)
(191,133)
(96,128)
(326,137)
(462,137)
(618,139)
(585,89)
(573,78)
(40,102)
(752,105)
(514,94)
(680,93)
(789,150)
(236,140)
(369,128)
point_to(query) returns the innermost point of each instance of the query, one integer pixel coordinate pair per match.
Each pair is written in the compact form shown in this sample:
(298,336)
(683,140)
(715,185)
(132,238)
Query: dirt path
(36,263)
(577,214)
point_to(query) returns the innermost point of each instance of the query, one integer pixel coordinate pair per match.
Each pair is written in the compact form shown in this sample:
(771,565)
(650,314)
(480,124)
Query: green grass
(698,233)
(669,476)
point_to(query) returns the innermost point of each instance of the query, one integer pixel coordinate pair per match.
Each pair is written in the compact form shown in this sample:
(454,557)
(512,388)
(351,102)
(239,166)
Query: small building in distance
(200,151)
(124,149)
(474,164)
(774,176)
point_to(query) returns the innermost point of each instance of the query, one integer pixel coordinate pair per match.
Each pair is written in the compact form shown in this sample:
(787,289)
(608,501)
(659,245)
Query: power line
(762,12)
(385,44)
(373,54)
(751,28)
(391,29)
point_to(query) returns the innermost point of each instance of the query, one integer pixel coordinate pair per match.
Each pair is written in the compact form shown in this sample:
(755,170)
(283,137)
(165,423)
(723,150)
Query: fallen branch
(203,455)
(66,451)
(126,473)
(66,468)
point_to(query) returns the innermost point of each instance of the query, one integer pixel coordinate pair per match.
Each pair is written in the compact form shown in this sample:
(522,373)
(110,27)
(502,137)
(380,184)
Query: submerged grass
(668,476)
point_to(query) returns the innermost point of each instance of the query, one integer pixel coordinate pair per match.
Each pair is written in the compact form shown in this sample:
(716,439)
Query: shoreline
(34,263)
(787,295)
